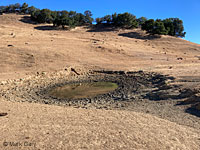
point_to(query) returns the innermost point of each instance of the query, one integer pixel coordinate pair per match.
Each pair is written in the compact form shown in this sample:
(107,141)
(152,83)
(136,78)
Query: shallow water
(83,90)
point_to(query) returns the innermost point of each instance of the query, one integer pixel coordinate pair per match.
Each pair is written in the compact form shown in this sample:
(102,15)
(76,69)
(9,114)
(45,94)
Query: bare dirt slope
(27,48)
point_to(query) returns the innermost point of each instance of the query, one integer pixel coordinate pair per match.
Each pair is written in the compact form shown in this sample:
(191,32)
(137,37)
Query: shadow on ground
(193,111)
(188,98)
(192,101)
(137,35)
(51,27)
(162,91)
(46,27)
(27,19)
(102,28)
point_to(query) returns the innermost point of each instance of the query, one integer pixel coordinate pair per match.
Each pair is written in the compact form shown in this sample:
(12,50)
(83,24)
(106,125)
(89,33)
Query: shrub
(170,26)
(148,26)
(125,20)
(99,21)
(159,28)
(88,17)
(31,9)
(107,19)
(141,20)
(24,8)
(45,16)
(175,27)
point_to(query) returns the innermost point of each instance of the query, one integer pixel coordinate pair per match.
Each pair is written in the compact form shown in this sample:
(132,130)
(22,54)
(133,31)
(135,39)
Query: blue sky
(187,10)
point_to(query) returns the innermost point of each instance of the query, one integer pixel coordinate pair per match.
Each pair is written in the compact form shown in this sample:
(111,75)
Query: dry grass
(53,127)
(48,50)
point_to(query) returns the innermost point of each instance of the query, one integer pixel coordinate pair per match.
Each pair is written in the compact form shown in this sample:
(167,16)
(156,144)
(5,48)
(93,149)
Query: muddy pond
(82,90)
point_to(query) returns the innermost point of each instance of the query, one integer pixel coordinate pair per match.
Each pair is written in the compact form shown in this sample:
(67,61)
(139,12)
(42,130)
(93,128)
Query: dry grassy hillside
(27,49)
(38,48)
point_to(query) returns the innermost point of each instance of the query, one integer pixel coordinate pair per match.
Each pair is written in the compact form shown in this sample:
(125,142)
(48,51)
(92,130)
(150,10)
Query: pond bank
(146,92)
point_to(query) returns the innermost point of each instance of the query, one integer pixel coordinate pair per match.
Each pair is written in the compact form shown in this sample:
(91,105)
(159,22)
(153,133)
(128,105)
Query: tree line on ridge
(169,26)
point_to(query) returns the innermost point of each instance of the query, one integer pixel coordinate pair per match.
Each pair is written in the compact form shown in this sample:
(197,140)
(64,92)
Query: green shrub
(171,26)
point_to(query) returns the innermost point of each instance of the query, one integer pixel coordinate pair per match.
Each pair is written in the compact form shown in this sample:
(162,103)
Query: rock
(3,114)
(72,69)
(44,73)
(179,58)
(3,82)
(140,71)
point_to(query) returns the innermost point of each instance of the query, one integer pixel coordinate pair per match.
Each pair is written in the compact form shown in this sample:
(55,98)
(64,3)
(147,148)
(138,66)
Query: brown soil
(27,50)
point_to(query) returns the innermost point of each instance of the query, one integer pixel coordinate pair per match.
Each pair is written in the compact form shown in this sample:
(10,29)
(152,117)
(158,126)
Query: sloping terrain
(28,49)
(53,127)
